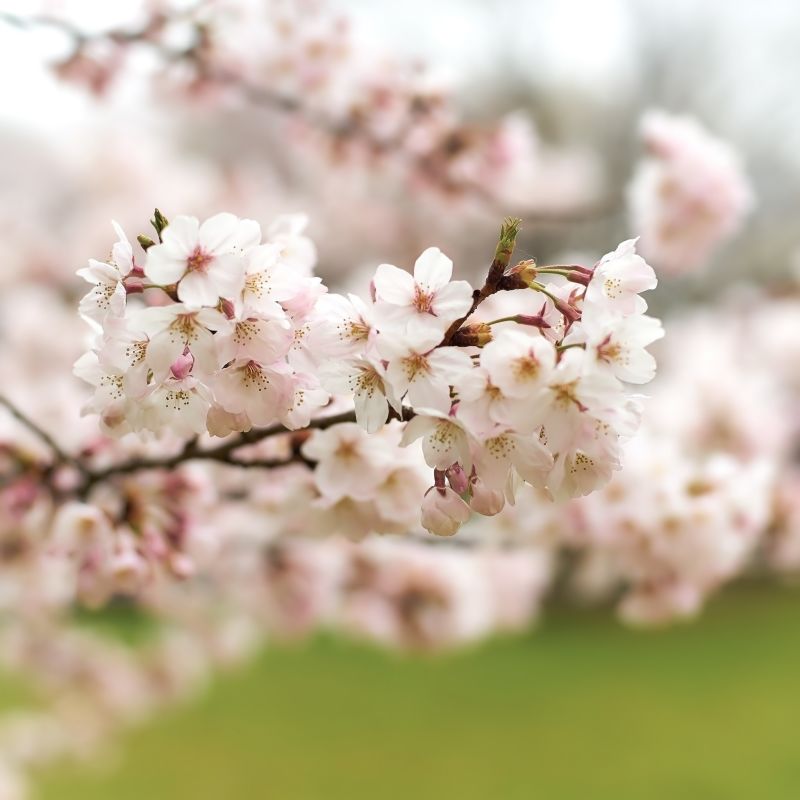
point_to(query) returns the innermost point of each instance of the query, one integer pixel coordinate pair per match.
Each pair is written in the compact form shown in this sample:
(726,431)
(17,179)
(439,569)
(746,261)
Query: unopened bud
(476,334)
(144,241)
(159,222)
(182,365)
(227,308)
(484,500)
(133,284)
(457,478)
(443,511)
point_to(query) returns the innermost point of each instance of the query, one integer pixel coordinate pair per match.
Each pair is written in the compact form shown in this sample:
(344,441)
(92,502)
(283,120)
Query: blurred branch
(61,456)
(349,128)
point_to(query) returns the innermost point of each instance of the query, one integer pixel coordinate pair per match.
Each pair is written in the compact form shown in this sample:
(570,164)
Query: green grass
(582,709)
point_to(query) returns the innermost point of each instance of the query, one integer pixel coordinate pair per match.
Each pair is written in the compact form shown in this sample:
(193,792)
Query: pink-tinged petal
(372,408)
(417,427)
(180,236)
(452,301)
(392,322)
(394,285)
(98,272)
(162,351)
(287,225)
(226,349)
(272,342)
(248,235)
(421,338)
(422,328)
(226,274)
(429,393)
(397,376)
(88,368)
(218,233)
(532,461)
(162,266)
(493,462)
(299,254)
(196,290)
(433,269)
(639,367)
(452,363)
(263,257)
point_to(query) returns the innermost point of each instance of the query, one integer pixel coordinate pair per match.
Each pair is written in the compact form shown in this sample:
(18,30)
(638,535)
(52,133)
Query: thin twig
(502,257)
(61,455)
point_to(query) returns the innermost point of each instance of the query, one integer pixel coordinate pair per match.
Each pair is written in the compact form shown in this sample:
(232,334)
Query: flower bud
(485,501)
(227,308)
(443,511)
(133,284)
(159,222)
(182,365)
(457,478)
(476,334)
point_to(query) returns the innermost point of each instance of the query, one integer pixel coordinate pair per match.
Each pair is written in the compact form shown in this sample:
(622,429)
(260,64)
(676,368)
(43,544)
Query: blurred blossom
(688,195)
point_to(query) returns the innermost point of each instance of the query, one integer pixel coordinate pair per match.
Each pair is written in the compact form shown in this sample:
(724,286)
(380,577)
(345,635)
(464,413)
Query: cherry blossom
(205,261)
(618,279)
(689,193)
(429,300)
(107,298)
(420,369)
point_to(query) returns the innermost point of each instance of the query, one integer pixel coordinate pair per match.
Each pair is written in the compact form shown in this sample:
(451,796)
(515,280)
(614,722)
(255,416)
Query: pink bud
(457,478)
(227,308)
(443,511)
(133,284)
(485,501)
(182,365)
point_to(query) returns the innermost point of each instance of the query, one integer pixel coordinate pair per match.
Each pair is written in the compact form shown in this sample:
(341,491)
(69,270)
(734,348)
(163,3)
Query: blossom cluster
(688,195)
(695,508)
(216,330)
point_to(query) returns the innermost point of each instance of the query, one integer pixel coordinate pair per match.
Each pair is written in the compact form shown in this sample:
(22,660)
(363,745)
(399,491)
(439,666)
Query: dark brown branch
(222,453)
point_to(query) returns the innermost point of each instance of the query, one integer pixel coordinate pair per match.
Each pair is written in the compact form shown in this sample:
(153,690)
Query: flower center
(423,301)
(526,368)
(415,364)
(199,260)
(609,350)
(566,394)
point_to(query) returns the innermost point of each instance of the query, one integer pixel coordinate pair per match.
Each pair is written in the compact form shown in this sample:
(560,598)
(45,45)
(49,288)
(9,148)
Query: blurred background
(395,126)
